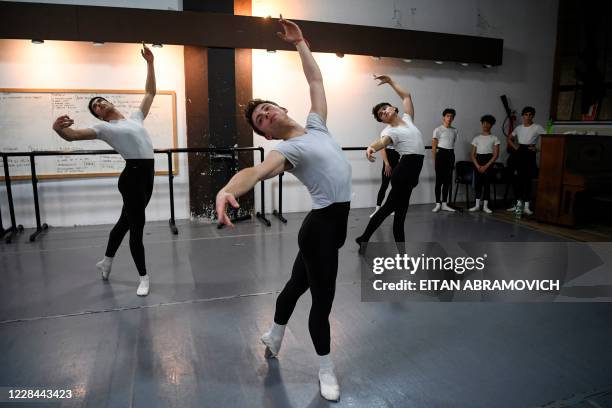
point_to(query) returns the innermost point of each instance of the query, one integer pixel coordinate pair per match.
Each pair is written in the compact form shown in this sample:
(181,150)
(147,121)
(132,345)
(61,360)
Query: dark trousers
(483,180)
(526,171)
(136,187)
(445,162)
(323,232)
(393,157)
(405,177)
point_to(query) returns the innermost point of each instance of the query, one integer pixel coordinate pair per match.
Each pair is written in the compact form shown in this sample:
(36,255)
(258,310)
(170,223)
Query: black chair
(464,174)
(501,175)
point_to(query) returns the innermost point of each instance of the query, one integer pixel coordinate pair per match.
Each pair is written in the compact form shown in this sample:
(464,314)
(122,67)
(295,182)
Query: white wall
(80,65)
(528,29)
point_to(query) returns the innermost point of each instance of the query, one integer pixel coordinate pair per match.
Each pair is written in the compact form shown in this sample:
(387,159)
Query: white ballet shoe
(436,208)
(104,266)
(328,384)
(445,207)
(143,287)
(272,343)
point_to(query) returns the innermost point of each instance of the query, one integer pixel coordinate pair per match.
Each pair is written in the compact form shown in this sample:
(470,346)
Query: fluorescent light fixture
(339,55)
(375,58)
(464,64)
(37,41)
(271,51)
(98,43)
(407,60)
(157,45)
(439,62)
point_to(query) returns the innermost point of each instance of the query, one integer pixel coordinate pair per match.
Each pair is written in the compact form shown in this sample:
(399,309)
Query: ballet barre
(41,226)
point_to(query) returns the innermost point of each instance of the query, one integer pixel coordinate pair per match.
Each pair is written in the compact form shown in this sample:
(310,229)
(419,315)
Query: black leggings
(322,233)
(445,162)
(483,179)
(136,187)
(526,170)
(405,177)
(393,157)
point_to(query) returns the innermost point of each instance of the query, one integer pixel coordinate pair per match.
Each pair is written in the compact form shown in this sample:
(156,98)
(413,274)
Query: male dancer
(443,155)
(408,142)
(131,140)
(524,140)
(314,157)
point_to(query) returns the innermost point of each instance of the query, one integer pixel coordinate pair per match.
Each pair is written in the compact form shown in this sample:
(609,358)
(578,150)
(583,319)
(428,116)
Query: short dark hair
(528,109)
(449,110)
(250,108)
(488,118)
(90,104)
(378,106)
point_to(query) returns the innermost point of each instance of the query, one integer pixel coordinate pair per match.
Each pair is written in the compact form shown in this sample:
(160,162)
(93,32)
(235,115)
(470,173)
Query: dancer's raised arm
(293,34)
(401,92)
(150,86)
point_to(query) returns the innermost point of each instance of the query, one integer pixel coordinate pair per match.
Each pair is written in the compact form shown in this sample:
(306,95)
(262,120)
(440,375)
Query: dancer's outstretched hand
(370,154)
(292,32)
(223,198)
(62,122)
(146,54)
(383,79)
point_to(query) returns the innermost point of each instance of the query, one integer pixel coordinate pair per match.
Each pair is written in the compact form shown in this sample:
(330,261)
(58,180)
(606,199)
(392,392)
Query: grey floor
(194,341)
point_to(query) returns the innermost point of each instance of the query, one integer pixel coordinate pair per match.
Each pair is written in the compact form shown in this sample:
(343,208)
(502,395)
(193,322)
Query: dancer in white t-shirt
(443,155)
(408,142)
(485,150)
(311,154)
(130,139)
(524,140)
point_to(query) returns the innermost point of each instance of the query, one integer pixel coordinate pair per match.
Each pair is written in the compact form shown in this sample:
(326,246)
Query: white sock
(328,382)
(326,363)
(527,205)
(485,207)
(436,208)
(277,330)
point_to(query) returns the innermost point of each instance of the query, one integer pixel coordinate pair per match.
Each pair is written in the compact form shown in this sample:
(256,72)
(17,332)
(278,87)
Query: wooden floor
(194,341)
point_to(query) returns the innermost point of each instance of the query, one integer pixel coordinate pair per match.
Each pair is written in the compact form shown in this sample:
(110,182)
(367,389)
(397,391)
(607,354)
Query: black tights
(483,180)
(136,187)
(445,162)
(393,158)
(526,170)
(405,177)
(322,233)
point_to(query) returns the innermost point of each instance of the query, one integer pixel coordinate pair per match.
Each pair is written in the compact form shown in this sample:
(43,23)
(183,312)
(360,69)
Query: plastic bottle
(518,210)
(549,127)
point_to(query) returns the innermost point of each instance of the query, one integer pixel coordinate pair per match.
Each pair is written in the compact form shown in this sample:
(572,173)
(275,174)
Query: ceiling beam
(129,25)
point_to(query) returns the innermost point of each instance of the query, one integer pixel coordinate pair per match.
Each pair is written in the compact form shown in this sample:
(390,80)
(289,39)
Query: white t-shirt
(528,135)
(127,136)
(319,163)
(446,136)
(406,139)
(485,143)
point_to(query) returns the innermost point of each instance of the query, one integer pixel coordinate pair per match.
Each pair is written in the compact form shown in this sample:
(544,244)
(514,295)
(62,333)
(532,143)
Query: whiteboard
(26,117)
